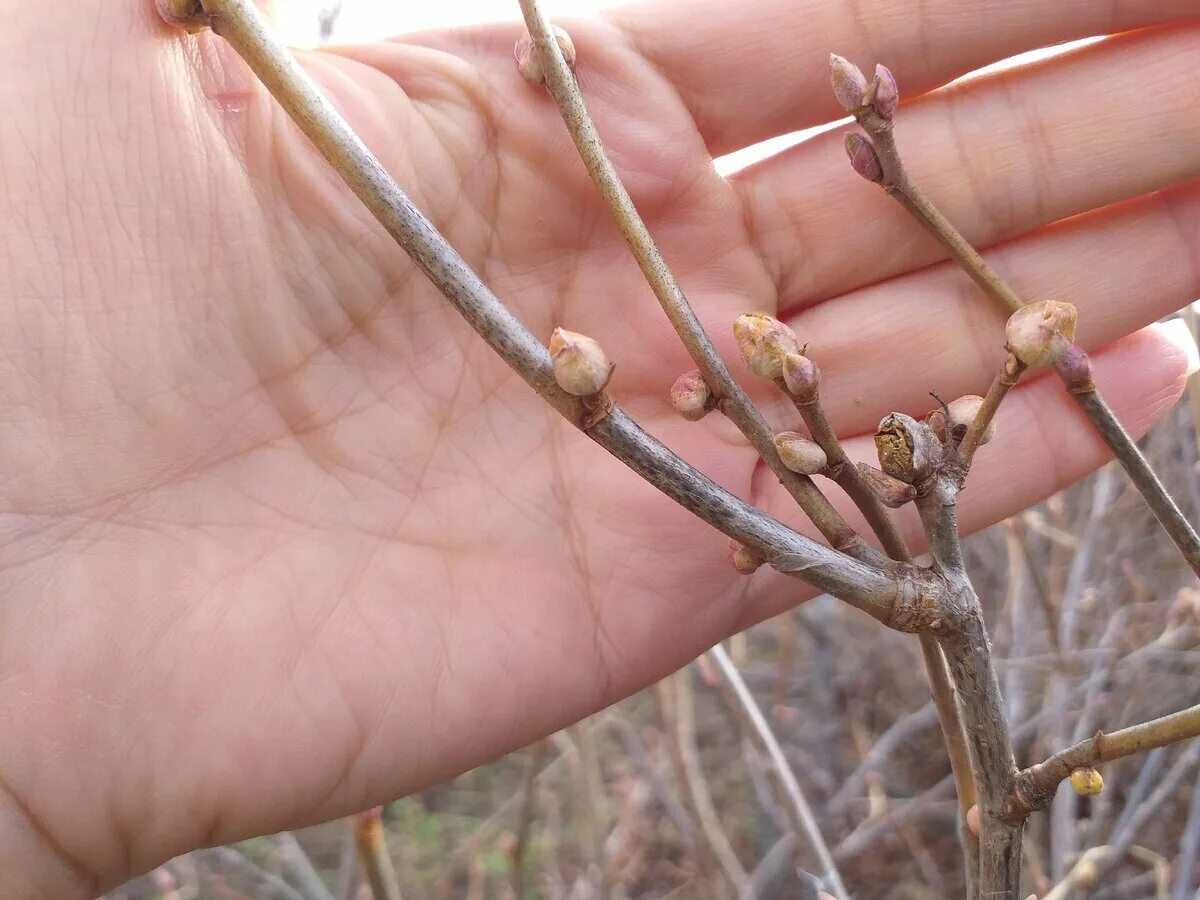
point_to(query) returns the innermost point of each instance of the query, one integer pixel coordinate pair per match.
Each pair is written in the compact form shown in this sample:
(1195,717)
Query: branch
(879,160)
(800,814)
(896,594)
(1035,786)
(731,399)
(372,852)
(1004,381)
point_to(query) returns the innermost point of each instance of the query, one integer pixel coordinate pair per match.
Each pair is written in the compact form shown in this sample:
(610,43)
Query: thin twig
(731,399)
(373,854)
(1004,381)
(1036,784)
(799,812)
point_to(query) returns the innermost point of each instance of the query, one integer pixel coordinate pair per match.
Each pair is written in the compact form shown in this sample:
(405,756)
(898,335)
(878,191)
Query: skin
(280,540)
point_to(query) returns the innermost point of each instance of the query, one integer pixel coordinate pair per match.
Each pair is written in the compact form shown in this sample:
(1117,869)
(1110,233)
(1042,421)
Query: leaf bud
(581,366)
(799,454)
(962,413)
(973,819)
(745,560)
(802,377)
(891,492)
(908,450)
(863,158)
(186,14)
(1075,368)
(528,63)
(887,94)
(765,342)
(1040,334)
(1087,782)
(849,83)
(691,396)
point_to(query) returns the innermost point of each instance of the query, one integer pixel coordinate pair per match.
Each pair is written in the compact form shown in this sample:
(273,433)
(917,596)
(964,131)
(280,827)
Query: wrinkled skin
(281,540)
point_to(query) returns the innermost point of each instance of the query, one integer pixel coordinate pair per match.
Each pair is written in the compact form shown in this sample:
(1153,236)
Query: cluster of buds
(854,92)
(581,367)
(528,63)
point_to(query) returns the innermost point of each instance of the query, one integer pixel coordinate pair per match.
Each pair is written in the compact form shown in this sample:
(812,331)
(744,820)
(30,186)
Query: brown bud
(907,449)
(581,366)
(765,342)
(745,560)
(1087,782)
(1075,368)
(802,377)
(800,454)
(691,397)
(891,492)
(973,819)
(963,412)
(863,158)
(186,14)
(887,94)
(1041,333)
(849,83)
(528,63)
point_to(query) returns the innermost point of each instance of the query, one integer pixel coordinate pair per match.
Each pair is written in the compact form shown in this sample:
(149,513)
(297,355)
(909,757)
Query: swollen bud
(1040,334)
(581,366)
(802,377)
(1075,369)
(745,560)
(973,819)
(1087,782)
(908,450)
(691,397)
(186,14)
(765,343)
(849,83)
(863,158)
(526,55)
(891,492)
(962,413)
(887,94)
(800,454)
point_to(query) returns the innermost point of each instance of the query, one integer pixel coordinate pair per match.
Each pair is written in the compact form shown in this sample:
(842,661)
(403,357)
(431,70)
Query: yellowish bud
(1040,334)
(526,55)
(1087,782)
(581,366)
(765,343)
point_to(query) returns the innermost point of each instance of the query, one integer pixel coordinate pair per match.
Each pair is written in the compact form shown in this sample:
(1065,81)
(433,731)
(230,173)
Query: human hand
(282,539)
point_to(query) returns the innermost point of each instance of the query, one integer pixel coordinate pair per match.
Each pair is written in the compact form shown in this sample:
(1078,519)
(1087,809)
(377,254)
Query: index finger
(755,69)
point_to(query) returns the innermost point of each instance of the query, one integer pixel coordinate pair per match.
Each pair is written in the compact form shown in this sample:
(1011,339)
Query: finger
(1043,443)
(751,70)
(1123,267)
(1000,156)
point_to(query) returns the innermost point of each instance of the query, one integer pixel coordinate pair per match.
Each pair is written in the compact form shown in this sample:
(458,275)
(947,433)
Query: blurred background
(671,795)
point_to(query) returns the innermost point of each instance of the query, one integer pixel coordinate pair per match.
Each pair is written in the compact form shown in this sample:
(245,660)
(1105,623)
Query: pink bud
(802,377)
(526,55)
(973,819)
(1040,334)
(863,158)
(963,412)
(849,83)
(691,397)
(1075,368)
(581,366)
(800,454)
(186,14)
(891,492)
(887,94)
(745,560)
(765,342)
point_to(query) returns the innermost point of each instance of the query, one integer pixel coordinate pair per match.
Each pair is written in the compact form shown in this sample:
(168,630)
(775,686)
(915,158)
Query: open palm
(282,540)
